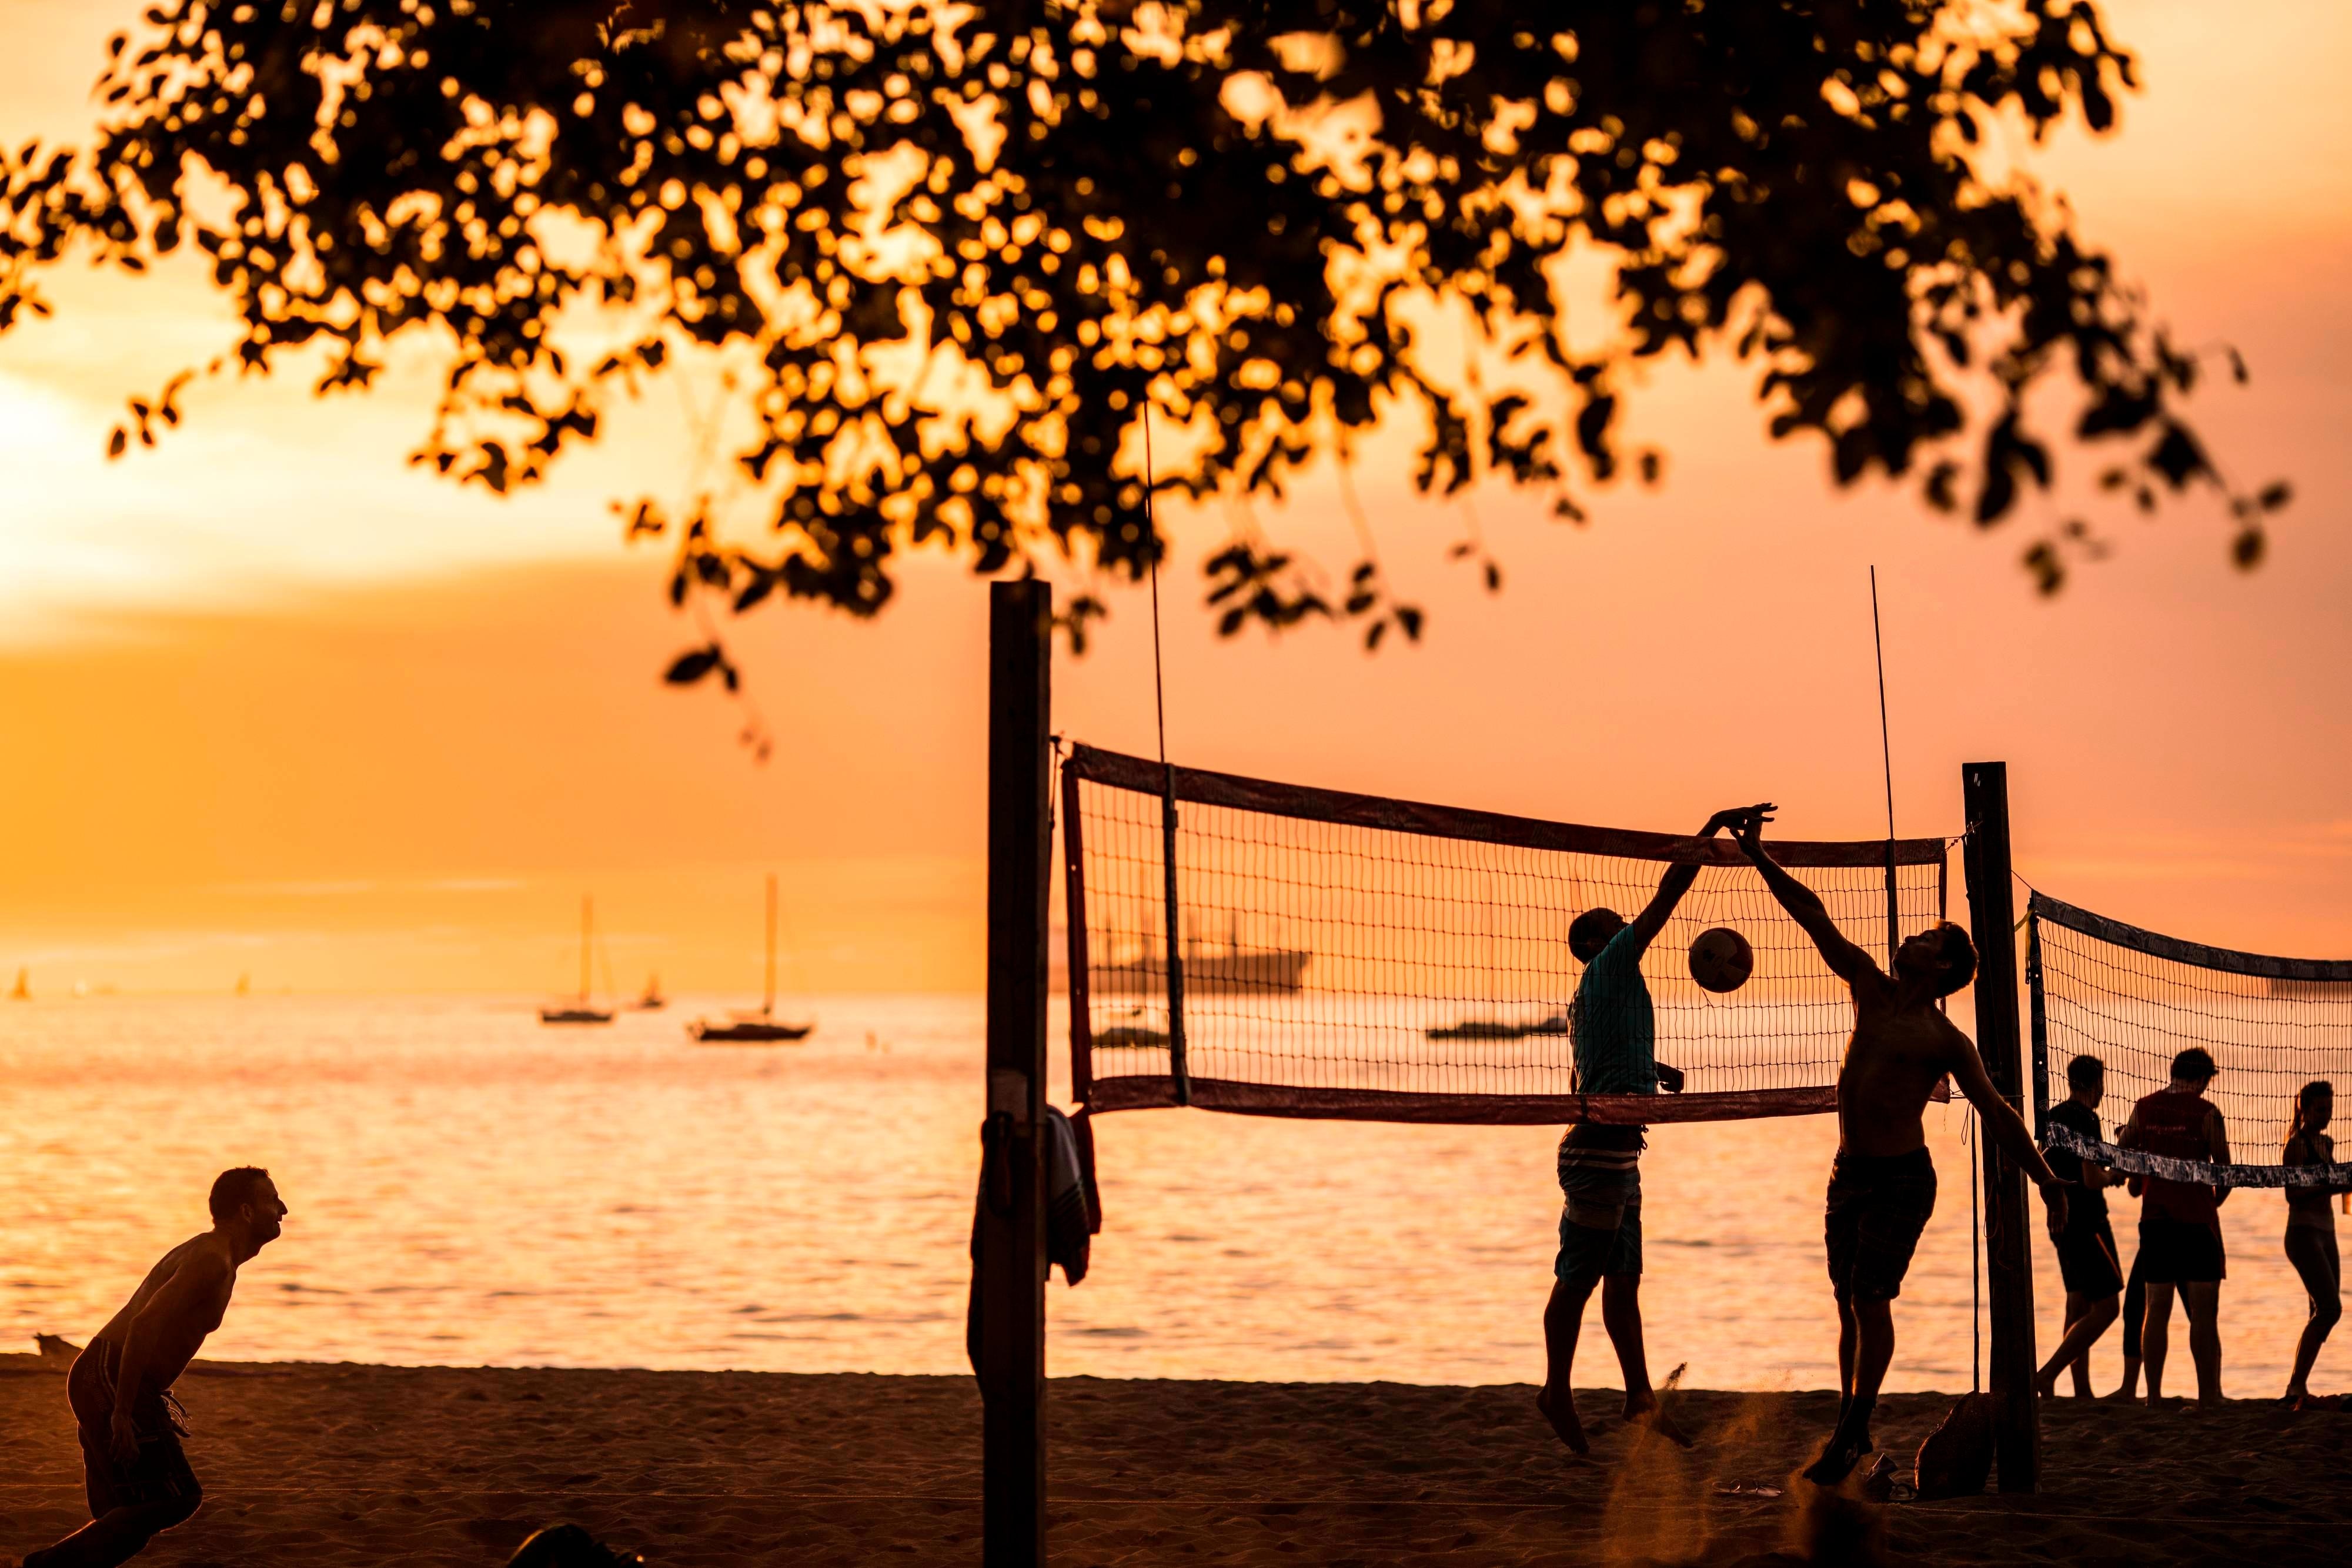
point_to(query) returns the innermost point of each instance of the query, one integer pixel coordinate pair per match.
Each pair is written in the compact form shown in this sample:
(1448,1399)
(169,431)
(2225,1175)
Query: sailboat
(653,1001)
(754,1028)
(580,1010)
(24,991)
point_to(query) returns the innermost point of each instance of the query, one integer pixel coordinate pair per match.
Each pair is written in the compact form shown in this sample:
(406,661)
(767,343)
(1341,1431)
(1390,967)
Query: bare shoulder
(1868,982)
(204,1269)
(1955,1054)
(169,1266)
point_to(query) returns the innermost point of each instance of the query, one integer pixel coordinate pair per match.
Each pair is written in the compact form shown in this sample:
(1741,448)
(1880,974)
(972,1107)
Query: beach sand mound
(342,1467)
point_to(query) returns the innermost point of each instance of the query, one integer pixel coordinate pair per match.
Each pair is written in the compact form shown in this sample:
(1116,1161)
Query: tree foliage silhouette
(949,252)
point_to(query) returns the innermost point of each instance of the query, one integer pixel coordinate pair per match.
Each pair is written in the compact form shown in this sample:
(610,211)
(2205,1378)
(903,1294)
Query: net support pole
(2008,1264)
(1009,1250)
(2039,1023)
(1179,1069)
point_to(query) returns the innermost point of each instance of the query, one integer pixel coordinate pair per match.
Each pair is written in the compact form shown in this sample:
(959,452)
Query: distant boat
(245,984)
(762,1027)
(581,1009)
(24,991)
(1237,970)
(2279,987)
(1496,1029)
(653,1001)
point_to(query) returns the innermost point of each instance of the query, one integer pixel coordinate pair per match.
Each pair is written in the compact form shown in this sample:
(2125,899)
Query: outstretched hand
(1729,817)
(1746,822)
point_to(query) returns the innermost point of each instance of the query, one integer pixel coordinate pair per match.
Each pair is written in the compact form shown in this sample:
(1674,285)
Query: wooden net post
(1009,1251)
(2009,1222)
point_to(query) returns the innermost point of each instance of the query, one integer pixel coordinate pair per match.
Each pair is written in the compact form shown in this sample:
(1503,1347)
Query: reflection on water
(469,1187)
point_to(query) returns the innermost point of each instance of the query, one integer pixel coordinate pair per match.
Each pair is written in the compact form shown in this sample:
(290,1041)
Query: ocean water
(468,1188)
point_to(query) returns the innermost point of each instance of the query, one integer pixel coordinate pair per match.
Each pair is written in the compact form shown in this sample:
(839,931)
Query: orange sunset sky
(273,703)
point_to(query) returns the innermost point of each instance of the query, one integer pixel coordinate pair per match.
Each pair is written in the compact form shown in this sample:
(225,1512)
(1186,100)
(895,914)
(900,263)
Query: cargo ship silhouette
(1231,970)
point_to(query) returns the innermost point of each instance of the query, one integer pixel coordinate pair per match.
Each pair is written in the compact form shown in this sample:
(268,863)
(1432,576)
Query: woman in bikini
(2311,1232)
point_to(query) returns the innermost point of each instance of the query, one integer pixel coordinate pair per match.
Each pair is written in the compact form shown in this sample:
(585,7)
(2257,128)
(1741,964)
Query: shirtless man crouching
(1882,1185)
(138,1480)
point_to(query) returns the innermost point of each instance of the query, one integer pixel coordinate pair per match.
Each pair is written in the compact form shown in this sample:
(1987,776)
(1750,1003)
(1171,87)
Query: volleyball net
(1323,954)
(2135,998)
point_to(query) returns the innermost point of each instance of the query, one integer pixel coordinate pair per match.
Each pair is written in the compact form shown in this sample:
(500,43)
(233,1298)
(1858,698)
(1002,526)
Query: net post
(2038,1021)
(1178,1070)
(1009,1241)
(1074,913)
(2009,1266)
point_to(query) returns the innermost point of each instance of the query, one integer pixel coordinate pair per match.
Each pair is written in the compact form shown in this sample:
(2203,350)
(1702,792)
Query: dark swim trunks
(2179,1252)
(1600,1226)
(159,1475)
(2086,1259)
(1878,1205)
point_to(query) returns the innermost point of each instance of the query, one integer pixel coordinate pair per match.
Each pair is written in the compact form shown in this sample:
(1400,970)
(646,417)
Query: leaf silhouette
(689,668)
(1105,205)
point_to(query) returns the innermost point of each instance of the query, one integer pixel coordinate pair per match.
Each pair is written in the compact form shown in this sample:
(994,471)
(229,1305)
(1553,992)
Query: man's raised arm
(2007,1127)
(1679,879)
(1845,960)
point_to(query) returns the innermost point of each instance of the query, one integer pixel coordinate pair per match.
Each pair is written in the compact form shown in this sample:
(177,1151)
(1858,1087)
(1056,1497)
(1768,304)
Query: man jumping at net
(139,1482)
(1882,1184)
(1613,1030)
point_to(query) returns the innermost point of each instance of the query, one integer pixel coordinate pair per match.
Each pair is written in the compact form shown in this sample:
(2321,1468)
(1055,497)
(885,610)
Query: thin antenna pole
(587,924)
(1175,955)
(1886,756)
(1150,521)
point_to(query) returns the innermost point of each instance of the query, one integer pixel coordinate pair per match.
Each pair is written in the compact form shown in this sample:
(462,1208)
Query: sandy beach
(352,1465)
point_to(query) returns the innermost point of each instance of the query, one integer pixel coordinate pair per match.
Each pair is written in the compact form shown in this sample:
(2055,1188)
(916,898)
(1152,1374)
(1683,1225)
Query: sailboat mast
(587,923)
(768,1005)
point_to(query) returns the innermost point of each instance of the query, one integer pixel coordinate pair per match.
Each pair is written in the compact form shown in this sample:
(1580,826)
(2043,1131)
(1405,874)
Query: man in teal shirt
(1614,1034)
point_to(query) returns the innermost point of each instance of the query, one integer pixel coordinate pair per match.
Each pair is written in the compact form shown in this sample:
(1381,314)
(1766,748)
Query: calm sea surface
(469,1187)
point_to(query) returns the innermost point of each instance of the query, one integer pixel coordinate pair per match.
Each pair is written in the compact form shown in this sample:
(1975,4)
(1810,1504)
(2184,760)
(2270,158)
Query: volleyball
(1721,959)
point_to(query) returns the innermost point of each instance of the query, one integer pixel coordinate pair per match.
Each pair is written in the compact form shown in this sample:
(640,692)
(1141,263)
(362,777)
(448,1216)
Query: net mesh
(2135,998)
(1347,955)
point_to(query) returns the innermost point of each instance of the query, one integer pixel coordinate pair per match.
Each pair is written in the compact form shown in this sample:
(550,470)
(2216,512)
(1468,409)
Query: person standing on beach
(2311,1232)
(2180,1223)
(121,1386)
(1882,1185)
(2084,1242)
(1613,1032)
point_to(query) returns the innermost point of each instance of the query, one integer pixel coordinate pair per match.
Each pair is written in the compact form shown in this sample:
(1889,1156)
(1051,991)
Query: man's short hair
(2084,1071)
(2194,1065)
(233,1189)
(1959,954)
(1593,929)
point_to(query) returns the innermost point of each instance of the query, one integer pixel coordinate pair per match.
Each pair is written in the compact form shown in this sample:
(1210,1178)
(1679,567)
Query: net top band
(2334,1177)
(1307,803)
(2156,945)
